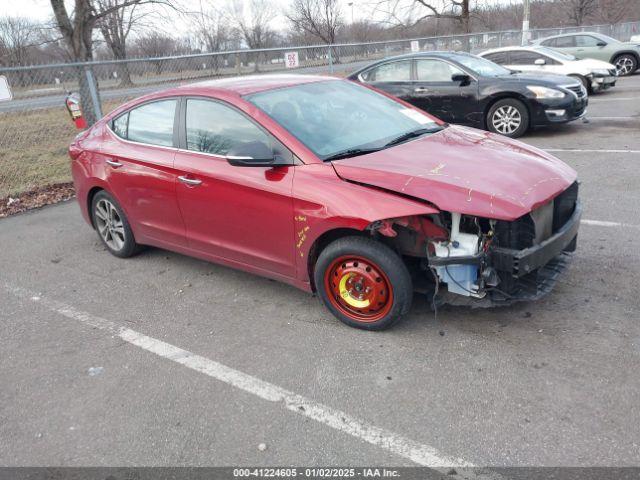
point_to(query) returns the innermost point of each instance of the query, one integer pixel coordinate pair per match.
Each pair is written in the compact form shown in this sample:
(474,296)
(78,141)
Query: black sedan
(469,90)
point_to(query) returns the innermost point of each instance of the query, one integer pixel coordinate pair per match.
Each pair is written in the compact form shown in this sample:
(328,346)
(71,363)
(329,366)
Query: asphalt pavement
(167,360)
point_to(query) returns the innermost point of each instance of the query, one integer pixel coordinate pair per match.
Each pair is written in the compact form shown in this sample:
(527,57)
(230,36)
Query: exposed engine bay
(484,262)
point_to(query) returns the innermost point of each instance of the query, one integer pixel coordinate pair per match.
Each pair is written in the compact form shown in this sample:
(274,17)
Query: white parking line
(588,150)
(418,453)
(600,223)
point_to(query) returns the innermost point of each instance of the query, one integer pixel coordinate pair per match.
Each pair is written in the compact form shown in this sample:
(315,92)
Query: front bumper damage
(525,274)
(601,82)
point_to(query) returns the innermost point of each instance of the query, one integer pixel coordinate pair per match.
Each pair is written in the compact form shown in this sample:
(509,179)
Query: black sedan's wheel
(363,283)
(625,64)
(112,226)
(508,117)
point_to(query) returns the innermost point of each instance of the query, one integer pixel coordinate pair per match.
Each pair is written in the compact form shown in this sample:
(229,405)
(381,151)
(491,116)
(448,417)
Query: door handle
(420,90)
(190,181)
(113,163)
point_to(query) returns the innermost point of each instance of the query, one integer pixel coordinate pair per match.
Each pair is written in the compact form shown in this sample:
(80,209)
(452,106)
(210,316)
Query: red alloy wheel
(358,288)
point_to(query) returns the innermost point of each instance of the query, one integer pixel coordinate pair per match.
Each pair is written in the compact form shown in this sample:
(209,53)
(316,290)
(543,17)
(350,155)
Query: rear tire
(363,283)
(625,64)
(508,117)
(112,226)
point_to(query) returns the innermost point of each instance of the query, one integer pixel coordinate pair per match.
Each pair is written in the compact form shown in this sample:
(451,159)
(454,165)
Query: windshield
(334,117)
(482,66)
(555,53)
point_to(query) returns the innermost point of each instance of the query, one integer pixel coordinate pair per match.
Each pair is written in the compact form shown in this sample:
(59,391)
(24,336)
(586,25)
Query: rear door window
(152,123)
(389,72)
(501,58)
(523,57)
(120,125)
(565,42)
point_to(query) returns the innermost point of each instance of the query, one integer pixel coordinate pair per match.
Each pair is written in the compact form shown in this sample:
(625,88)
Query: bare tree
(213,30)
(77,30)
(17,36)
(614,11)
(579,10)
(253,20)
(116,27)
(407,13)
(319,18)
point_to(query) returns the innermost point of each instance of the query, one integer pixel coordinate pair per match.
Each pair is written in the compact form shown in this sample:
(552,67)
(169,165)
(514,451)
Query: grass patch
(33,148)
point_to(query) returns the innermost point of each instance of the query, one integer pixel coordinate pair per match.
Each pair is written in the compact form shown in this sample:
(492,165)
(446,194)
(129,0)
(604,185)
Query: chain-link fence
(35,127)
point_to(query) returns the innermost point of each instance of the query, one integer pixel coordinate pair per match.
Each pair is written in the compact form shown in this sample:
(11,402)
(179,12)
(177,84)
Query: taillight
(74,150)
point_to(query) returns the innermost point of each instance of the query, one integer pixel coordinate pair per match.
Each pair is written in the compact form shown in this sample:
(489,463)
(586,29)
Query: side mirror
(540,61)
(461,78)
(601,44)
(252,154)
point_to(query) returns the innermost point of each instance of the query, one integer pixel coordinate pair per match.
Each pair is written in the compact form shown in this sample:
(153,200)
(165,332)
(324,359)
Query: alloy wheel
(506,119)
(624,65)
(109,224)
(359,288)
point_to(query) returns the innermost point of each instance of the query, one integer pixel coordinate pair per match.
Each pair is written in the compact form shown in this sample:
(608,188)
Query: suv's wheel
(625,64)
(508,117)
(112,226)
(363,283)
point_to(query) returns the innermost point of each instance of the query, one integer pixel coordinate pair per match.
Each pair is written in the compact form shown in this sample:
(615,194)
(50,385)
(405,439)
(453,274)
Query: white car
(595,75)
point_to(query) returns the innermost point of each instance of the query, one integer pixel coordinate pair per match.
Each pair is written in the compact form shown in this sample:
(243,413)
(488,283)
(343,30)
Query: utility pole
(351,5)
(525,23)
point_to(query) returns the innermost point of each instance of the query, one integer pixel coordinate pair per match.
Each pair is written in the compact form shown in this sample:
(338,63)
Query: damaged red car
(332,187)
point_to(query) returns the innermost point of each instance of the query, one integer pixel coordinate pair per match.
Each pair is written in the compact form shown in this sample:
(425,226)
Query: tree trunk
(119,52)
(78,36)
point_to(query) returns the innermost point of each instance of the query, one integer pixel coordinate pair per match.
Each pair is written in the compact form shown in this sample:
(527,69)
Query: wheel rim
(624,65)
(358,288)
(506,119)
(109,224)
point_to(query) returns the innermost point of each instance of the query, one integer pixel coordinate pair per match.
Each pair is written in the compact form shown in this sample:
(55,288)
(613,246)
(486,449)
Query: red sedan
(332,187)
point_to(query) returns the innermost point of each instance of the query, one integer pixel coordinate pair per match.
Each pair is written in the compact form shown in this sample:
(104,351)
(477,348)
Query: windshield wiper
(413,134)
(351,152)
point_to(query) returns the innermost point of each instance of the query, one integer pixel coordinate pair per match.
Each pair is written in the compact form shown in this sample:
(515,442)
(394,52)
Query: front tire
(363,283)
(508,117)
(625,64)
(112,226)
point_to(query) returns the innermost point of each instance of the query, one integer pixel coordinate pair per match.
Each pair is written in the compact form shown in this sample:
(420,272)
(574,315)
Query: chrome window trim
(133,142)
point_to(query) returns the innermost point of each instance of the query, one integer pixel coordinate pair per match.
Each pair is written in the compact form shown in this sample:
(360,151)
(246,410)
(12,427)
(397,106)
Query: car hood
(592,64)
(464,170)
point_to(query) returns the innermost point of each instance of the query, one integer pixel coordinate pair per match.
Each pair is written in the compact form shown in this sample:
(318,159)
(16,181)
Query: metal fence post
(330,60)
(97,108)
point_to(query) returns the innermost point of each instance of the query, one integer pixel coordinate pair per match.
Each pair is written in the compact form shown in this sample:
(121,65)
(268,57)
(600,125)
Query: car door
(138,155)
(392,77)
(588,46)
(241,214)
(437,93)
